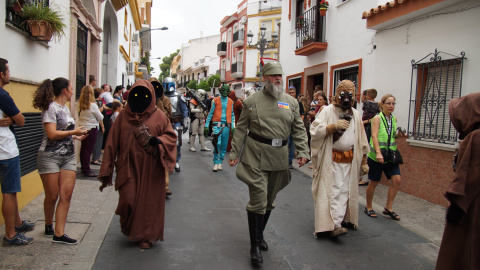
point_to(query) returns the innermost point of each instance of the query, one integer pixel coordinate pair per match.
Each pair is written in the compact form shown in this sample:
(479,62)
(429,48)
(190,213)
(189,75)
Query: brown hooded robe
(460,248)
(141,205)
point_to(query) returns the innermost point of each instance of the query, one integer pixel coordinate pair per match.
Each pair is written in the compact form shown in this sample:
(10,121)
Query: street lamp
(149,30)
(262,44)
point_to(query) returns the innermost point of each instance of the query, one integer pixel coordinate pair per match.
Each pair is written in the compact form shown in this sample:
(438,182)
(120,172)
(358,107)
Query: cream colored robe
(321,146)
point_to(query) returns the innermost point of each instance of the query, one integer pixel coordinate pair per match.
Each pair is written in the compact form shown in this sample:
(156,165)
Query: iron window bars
(434,83)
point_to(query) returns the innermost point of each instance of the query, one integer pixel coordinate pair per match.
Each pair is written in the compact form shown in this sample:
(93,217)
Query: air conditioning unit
(135,39)
(243,20)
(130,68)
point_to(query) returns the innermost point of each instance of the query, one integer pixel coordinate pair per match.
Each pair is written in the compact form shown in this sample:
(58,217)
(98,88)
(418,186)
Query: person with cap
(163,104)
(222,118)
(268,118)
(339,153)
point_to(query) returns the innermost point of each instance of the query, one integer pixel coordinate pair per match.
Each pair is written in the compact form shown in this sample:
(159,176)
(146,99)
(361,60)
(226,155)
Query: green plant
(192,84)
(203,84)
(38,13)
(213,81)
(323,4)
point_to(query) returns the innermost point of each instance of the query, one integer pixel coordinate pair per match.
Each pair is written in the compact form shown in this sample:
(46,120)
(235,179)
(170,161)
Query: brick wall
(426,173)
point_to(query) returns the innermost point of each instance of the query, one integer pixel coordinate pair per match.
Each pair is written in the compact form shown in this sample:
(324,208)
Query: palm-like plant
(36,14)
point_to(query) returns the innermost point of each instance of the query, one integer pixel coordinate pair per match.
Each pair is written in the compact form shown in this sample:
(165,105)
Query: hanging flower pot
(323,12)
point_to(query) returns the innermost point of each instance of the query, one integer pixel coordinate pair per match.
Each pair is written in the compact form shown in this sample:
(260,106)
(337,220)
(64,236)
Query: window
(434,83)
(13,17)
(300,8)
(349,73)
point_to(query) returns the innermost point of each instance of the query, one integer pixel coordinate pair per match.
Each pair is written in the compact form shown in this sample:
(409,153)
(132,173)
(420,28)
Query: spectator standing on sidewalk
(10,165)
(90,117)
(56,158)
(268,118)
(97,149)
(370,109)
(107,97)
(141,147)
(92,81)
(118,93)
(460,246)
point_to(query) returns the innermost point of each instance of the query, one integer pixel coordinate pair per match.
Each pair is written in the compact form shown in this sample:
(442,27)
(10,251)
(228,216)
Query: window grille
(81,67)
(349,73)
(29,137)
(13,17)
(433,84)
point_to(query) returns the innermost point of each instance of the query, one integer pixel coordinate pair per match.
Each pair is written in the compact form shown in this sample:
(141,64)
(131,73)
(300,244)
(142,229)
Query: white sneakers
(215,167)
(205,149)
(192,149)
(219,167)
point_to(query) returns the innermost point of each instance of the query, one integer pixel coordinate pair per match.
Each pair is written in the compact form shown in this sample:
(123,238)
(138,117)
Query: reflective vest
(383,136)
(217,114)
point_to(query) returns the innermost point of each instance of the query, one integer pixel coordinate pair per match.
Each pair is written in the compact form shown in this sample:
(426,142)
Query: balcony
(269,5)
(237,70)
(310,32)
(222,49)
(238,38)
(222,75)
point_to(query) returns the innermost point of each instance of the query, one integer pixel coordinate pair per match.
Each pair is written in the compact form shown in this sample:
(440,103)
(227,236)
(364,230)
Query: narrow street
(206,228)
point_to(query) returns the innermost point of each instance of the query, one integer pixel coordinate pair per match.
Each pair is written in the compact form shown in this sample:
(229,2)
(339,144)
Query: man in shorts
(10,165)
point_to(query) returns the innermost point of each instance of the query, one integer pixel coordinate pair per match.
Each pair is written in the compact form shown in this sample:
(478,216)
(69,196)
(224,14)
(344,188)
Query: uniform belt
(342,156)
(272,142)
(221,125)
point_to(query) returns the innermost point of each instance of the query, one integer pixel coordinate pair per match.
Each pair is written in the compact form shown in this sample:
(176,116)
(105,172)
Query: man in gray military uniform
(267,120)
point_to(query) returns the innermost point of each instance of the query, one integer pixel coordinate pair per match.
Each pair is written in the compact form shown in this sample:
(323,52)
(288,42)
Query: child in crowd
(116,108)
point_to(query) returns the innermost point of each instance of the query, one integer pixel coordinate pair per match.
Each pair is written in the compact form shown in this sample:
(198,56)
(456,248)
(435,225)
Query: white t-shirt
(8,145)
(107,96)
(89,118)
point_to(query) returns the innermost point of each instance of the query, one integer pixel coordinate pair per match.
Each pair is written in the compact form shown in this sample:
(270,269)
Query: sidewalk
(88,219)
(91,213)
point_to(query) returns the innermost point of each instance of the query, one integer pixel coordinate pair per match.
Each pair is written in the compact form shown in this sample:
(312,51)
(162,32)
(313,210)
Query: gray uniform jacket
(272,119)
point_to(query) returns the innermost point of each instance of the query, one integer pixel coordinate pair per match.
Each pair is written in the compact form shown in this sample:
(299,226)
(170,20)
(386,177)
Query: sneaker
(49,232)
(90,174)
(215,167)
(18,240)
(290,166)
(192,149)
(219,167)
(205,149)
(177,167)
(64,239)
(25,226)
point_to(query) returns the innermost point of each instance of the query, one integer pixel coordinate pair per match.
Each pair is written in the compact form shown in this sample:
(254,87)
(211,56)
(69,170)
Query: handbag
(392,156)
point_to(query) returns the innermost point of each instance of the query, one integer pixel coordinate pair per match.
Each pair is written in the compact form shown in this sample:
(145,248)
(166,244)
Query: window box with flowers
(323,5)
(307,40)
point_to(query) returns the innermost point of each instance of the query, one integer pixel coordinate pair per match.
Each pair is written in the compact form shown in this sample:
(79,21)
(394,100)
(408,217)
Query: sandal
(392,214)
(370,213)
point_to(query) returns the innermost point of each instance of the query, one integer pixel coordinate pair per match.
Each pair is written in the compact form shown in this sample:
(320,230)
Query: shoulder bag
(392,156)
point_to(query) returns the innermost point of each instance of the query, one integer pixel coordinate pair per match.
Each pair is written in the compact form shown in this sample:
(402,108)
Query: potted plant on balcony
(323,7)
(300,22)
(44,22)
(307,40)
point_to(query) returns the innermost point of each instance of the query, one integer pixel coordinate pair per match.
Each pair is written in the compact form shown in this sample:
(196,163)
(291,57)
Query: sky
(185,19)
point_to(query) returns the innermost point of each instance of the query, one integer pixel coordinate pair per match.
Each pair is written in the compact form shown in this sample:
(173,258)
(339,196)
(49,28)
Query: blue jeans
(291,150)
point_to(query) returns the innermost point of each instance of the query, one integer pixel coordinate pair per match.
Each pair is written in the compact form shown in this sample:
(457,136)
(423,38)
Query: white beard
(273,89)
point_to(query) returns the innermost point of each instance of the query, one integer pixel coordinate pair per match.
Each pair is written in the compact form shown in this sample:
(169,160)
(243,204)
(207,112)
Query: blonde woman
(56,158)
(89,116)
(384,126)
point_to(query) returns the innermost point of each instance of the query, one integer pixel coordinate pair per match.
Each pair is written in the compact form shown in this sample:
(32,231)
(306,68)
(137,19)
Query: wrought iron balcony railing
(310,27)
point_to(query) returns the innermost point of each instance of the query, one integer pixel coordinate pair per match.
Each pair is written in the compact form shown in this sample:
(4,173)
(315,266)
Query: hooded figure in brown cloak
(460,248)
(141,146)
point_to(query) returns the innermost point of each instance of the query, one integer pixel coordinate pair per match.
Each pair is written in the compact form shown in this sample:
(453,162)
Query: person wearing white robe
(334,186)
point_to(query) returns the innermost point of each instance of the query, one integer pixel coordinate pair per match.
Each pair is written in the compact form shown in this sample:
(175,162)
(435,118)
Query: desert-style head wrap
(345,85)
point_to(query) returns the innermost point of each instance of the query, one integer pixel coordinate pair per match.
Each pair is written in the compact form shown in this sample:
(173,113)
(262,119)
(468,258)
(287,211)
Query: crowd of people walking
(141,131)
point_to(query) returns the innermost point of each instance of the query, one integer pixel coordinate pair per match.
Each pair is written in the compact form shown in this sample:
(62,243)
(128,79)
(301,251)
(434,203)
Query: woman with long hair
(117,93)
(56,158)
(89,116)
(384,126)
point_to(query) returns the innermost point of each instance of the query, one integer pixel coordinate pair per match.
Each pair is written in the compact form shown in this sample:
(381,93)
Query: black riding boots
(264,246)
(255,227)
